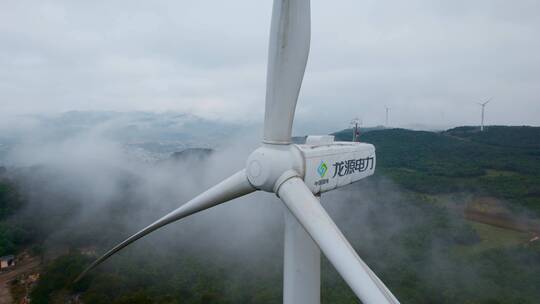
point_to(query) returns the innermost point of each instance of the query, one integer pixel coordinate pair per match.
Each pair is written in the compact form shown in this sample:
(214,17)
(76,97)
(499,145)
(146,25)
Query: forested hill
(514,137)
(502,161)
(446,219)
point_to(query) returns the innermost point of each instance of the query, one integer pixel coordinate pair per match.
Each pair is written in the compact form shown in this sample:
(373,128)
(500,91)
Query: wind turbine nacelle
(329,165)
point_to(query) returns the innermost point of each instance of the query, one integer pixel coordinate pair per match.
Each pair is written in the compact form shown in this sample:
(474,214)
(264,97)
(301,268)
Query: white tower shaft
(482,123)
(483,109)
(301,266)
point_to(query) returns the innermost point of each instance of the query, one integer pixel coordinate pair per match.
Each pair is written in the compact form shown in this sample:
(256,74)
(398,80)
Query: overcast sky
(429,61)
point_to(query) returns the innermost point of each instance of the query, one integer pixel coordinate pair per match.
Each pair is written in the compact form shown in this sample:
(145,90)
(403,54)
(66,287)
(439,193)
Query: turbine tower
(386,121)
(297,174)
(355,130)
(483,108)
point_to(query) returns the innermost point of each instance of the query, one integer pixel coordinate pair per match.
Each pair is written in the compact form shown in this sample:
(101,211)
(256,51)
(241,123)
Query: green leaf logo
(322,169)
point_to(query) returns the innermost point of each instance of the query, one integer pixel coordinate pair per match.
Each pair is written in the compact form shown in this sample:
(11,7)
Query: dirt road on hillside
(6,277)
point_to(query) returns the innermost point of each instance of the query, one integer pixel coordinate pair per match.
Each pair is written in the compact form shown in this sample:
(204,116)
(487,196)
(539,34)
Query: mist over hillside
(144,135)
(149,136)
(75,194)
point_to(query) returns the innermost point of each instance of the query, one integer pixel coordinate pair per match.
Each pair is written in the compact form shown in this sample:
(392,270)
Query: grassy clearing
(492,237)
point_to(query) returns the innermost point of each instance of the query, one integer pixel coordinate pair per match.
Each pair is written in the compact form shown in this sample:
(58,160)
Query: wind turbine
(483,108)
(295,173)
(354,125)
(387,110)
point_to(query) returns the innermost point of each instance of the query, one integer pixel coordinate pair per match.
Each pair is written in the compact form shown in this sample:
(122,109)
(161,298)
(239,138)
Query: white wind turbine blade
(233,187)
(287,58)
(485,102)
(309,212)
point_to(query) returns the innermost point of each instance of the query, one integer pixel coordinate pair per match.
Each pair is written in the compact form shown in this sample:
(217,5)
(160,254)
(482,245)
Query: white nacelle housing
(329,165)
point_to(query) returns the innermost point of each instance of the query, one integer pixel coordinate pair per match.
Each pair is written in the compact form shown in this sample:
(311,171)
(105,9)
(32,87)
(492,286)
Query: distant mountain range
(147,136)
(127,127)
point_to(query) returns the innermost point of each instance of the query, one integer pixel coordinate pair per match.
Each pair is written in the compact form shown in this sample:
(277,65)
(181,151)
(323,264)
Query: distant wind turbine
(387,110)
(483,108)
(356,132)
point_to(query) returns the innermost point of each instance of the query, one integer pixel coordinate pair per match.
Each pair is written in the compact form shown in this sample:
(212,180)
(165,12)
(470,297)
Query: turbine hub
(268,163)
